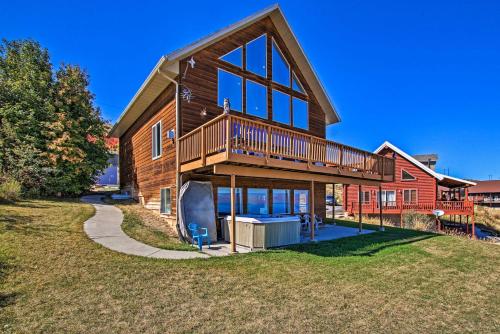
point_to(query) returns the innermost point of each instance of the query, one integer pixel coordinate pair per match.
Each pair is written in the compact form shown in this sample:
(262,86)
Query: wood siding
(202,80)
(139,173)
(425,184)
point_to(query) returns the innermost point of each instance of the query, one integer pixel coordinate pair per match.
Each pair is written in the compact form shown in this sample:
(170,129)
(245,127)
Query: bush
(10,190)
(418,221)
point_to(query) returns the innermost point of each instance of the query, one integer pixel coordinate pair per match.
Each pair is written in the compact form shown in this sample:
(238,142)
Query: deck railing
(238,135)
(396,207)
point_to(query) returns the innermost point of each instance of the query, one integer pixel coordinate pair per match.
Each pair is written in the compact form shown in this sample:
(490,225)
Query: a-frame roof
(445,180)
(155,83)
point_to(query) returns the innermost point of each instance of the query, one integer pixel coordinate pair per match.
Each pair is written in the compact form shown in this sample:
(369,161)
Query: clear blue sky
(424,75)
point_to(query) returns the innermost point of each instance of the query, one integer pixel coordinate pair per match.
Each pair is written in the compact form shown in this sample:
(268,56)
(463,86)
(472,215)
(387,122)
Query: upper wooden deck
(237,140)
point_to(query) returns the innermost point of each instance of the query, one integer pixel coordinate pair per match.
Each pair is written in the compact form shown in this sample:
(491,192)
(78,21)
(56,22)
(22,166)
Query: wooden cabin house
(244,110)
(416,187)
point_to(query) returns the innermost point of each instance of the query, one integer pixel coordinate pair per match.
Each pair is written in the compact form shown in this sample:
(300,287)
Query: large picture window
(156,140)
(281,201)
(230,86)
(234,57)
(224,201)
(388,197)
(281,69)
(256,56)
(165,201)
(300,201)
(256,99)
(281,107)
(300,114)
(257,201)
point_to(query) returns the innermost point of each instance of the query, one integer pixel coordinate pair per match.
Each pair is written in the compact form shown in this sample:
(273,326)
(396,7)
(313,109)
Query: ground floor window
(224,200)
(365,197)
(165,201)
(389,197)
(410,196)
(257,201)
(281,201)
(301,201)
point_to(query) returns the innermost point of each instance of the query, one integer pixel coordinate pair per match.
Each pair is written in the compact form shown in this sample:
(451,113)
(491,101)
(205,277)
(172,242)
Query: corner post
(228,136)
(232,233)
(381,228)
(203,147)
(312,220)
(360,230)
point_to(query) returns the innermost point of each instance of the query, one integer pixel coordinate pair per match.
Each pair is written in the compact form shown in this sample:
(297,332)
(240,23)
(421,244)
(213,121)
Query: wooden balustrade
(397,207)
(238,135)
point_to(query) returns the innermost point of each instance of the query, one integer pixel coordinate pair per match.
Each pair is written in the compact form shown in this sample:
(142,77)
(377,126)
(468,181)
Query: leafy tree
(51,133)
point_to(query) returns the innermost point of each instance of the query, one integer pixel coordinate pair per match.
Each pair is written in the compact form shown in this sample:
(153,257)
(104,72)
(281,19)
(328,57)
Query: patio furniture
(196,235)
(318,221)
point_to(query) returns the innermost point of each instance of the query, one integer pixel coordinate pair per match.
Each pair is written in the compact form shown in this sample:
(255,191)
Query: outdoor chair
(196,235)
(318,221)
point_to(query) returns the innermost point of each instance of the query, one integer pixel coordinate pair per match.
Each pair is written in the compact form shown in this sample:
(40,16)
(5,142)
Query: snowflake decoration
(187,94)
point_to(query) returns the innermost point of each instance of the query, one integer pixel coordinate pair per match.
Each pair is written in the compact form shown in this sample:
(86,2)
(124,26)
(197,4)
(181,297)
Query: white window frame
(416,196)
(384,196)
(169,212)
(153,139)
(363,199)
(405,180)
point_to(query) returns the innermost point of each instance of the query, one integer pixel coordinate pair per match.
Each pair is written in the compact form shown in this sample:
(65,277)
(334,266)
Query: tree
(51,133)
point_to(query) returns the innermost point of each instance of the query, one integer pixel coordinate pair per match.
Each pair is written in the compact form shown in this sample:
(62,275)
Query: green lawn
(55,280)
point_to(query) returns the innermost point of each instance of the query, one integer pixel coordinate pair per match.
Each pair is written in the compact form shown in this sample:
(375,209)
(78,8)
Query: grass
(55,280)
(148,227)
(488,217)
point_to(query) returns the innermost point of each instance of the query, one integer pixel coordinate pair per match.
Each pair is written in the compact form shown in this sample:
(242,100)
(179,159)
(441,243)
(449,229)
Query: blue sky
(424,75)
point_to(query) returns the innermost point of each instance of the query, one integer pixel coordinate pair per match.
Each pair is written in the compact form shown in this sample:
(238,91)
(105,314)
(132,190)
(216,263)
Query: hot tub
(264,232)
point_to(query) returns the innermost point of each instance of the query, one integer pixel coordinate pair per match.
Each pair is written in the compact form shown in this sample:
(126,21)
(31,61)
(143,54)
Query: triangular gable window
(234,57)
(256,56)
(296,85)
(281,69)
(407,176)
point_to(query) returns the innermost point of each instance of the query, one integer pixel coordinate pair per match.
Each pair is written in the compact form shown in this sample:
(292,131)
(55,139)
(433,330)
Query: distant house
(428,160)
(110,175)
(416,186)
(486,193)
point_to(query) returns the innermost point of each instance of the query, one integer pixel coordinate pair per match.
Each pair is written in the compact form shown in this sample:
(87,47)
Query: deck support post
(467,226)
(232,227)
(360,196)
(473,234)
(381,228)
(333,208)
(312,218)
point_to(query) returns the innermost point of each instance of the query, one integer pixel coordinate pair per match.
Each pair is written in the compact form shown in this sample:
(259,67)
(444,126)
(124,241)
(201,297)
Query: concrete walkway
(105,228)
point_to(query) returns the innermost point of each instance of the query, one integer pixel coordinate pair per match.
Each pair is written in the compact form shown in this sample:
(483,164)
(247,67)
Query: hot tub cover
(196,205)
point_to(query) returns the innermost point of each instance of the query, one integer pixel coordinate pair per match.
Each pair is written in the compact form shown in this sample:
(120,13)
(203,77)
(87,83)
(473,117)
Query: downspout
(177,133)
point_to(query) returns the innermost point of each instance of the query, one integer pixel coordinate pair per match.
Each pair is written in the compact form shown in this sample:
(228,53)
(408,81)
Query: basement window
(300,201)
(156,140)
(165,201)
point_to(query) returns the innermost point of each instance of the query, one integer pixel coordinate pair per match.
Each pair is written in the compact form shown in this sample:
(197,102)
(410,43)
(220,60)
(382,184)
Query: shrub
(418,221)
(10,190)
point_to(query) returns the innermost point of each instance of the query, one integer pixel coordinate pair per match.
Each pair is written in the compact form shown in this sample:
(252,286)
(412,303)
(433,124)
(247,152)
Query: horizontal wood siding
(202,80)
(424,183)
(138,171)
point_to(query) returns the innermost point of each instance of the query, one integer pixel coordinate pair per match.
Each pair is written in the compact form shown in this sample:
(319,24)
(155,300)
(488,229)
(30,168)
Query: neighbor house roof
(482,187)
(155,83)
(426,157)
(445,180)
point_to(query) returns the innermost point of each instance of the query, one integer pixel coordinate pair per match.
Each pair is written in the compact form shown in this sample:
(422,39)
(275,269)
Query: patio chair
(195,234)
(318,221)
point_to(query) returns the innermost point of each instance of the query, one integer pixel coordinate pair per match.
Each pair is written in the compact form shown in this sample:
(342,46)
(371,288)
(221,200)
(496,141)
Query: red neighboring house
(486,193)
(416,187)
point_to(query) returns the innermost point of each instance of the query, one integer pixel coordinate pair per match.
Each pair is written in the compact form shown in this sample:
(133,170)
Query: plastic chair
(195,234)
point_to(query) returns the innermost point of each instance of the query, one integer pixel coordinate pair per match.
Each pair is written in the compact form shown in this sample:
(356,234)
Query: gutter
(177,133)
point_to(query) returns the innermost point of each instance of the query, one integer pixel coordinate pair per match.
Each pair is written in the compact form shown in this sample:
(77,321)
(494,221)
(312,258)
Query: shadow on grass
(363,245)
(28,225)
(6,298)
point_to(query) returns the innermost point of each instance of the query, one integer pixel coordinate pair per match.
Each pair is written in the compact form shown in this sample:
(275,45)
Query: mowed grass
(55,280)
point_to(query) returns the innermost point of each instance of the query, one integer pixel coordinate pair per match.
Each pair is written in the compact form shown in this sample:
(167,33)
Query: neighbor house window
(365,197)
(156,140)
(256,99)
(257,56)
(234,57)
(165,201)
(405,176)
(281,69)
(258,203)
(224,200)
(300,201)
(281,201)
(230,86)
(300,114)
(388,197)
(281,107)
(410,196)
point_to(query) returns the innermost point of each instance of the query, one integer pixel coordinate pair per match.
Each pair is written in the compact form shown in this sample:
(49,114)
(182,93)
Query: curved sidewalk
(105,228)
